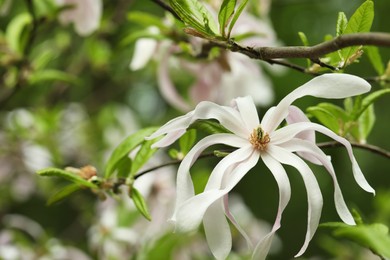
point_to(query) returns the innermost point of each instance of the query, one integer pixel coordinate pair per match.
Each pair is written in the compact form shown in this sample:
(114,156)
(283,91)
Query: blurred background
(69,99)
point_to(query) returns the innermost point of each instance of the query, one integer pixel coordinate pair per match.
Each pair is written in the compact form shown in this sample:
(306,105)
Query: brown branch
(332,144)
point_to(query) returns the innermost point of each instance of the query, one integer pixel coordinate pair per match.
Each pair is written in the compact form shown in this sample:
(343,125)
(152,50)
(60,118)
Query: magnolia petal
(281,178)
(144,50)
(218,173)
(189,214)
(227,116)
(286,133)
(324,86)
(314,196)
(296,115)
(248,111)
(234,221)
(184,187)
(166,86)
(297,145)
(217,230)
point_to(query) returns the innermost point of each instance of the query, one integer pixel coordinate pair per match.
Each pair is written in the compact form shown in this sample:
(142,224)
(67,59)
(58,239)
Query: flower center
(259,138)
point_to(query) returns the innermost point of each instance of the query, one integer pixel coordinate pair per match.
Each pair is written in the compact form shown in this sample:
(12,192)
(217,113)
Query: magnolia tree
(169,135)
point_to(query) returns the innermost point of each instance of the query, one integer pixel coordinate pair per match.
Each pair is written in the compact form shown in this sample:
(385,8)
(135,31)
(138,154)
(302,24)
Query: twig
(333,144)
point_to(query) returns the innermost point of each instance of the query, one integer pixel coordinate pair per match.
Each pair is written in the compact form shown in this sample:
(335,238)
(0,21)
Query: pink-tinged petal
(296,115)
(297,145)
(288,132)
(281,178)
(248,112)
(167,88)
(324,86)
(217,230)
(314,196)
(227,164)
(185,189)
(189,214)
(234,221)
(227,116)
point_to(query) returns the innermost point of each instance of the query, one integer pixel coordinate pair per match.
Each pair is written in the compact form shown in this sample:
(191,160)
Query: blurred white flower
(84,14)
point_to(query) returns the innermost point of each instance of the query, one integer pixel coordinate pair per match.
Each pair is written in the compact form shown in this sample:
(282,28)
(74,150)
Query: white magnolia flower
(256,140)
(85,14)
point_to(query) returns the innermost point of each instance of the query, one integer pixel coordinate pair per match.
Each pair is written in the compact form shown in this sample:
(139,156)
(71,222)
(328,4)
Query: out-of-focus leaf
(237,14)
(124,148)
(225,14)
(375,59)
(124,167)
(342,22)
(145,19)
(53,75)
(368,100)
(330,116)
(146,33)
(196,16)
(209,126)
(360,21)
(139,202)
(14,31)
(143,155)
(187,140)
(70,176)
(374,236)
(63,193)
(366,123)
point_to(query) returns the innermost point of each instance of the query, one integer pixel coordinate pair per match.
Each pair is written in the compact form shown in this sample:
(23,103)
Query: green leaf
(70,176)
(196,16)
(186,141)
(146,19)
(360,21)
(375,59)
(366,123)
(140,203)
(237,14)
(14,31)
(368,100)
(124,167)
(225,14)
(143,155)
(373,236)
(209,126)
(125,147)
(330,116)
(63,193)
(53,75)
(341,25)
(305,42)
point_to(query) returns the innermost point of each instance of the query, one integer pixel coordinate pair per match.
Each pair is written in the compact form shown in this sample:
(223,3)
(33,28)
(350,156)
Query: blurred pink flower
(85,14)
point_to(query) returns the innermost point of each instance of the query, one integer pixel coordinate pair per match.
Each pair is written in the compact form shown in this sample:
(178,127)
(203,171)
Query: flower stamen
(259,138)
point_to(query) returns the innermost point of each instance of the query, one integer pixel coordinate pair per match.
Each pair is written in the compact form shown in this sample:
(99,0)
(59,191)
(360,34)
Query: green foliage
(124,148)
(63,193)
(187,141)
(37,77)
(373,236)
(143,155)
(360,21)
(139,202)
(70,176)
(237,14)
(196,16)
(209,126)
(375,59)
(15,33)
(145,19)
(341,24)
(225,15)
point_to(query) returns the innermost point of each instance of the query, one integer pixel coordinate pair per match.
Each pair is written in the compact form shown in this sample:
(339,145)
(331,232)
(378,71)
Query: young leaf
(237,14)
(143,155)
(225,14)
(187,140)
(209,126)
(140,203)
(360,21)
(14,31)
(375,59)
(367,101)
(330,116)
(70,176)
(366,123)
(374,236)
(124,167)
(53,75)
(124,148)
(196,16)
(342,22)
(305,42)
(63,193)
